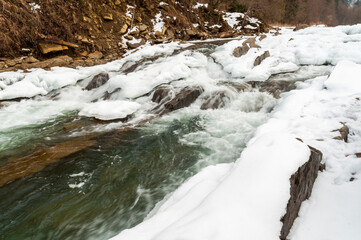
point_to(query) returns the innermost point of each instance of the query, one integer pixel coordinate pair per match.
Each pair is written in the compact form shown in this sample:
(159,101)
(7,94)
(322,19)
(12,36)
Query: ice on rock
(110,110)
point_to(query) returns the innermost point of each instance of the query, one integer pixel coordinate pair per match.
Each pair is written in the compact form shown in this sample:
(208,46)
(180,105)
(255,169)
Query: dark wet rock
(183,99)
(273,87)
(160,94)
(239,87)
(344,131)
(217,100)
(98,80)
(301,188)
(260,58)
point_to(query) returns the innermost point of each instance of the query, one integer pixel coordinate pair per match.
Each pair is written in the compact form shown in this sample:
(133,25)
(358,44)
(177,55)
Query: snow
(34,7)
(232,18)
(198,5)
(109,110)
(158,23)
(246,196)
(233,200)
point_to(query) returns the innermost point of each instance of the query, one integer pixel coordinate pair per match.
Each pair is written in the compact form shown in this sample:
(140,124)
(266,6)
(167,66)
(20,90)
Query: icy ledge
(247,199)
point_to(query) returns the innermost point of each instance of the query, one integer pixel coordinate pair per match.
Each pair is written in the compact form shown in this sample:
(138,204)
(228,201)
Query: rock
(1,105)
(301,188)
(124,29)
(246,45)
(260,58)
(344,131)
(108,16)
(161,94)
(3,65)
(216,100)
(30,59)
(129,37)
(239,87)
(98,80)
(358,155)
(95,55)
(240,51)
(251,42)
(263,36)
(58,61)
(191,32)
(51,47)
(135,45)
(183,99)
(300,26)
(158,34)
(117,2)
(135,32)
(143,27)
(273,87)
(61,42)
(84,53)
(226,35)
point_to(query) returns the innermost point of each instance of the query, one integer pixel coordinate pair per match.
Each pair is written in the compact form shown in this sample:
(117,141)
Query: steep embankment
(92,32)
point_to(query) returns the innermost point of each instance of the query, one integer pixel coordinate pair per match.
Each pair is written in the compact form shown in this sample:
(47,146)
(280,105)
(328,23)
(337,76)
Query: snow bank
(231,201)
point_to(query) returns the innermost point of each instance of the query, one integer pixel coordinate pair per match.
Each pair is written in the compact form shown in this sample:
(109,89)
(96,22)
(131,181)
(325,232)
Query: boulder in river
(161,94)
(217,100)
(98,80)
(183,99)
(301,188)
(273,87)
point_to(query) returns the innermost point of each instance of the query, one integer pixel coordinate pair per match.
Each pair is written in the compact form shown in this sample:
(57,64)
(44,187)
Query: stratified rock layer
(301,188)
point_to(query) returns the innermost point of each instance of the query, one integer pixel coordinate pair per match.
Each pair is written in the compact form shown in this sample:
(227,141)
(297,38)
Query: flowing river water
(114,182)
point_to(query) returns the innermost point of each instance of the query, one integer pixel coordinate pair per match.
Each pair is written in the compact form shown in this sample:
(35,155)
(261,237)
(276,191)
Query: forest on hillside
(329,12)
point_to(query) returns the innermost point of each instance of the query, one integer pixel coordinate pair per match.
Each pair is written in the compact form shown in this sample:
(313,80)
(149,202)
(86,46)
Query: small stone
(108,17)
(240,51)
(129,37)
(50,47)
(95,55)
(84,53)
(260,58)
(143,27)
(226,35)
(135,32)
(117,2)
(191,32)
(135,45)
(30,59)
(358,155)
(124,29)
(3,65)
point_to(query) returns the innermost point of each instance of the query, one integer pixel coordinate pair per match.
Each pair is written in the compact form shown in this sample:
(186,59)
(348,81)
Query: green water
(123,177)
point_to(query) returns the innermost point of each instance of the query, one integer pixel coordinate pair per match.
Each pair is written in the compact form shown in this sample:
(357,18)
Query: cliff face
(43,27)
